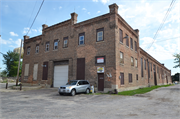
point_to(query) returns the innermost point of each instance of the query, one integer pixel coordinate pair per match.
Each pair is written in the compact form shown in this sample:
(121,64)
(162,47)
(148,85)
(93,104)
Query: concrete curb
(26,87)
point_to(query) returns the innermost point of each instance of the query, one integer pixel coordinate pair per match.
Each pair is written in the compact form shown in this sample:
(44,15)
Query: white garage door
(60,75)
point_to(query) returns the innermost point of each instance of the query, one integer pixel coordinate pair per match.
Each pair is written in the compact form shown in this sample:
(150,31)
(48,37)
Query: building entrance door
(100,82)
(45,70)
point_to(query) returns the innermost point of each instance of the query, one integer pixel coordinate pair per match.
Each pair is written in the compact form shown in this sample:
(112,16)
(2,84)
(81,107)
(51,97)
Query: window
(120,35)
(127,40)
(141,67)
(122,78)
(100,59)
(81,38)
(28,50)
(55,44)
(135,43)
(132,61)
(100,34)
(136,76)
(121,57)
(131,43)
(151,66)
(47,46)
(37,48)
(145,64)
(65,42)
(136,63)
(130,78)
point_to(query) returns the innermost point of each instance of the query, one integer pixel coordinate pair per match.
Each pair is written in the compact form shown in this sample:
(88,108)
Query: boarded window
(127,40)
(132,61)
(121,35)
(130,78)
(35,71)
(122,78)
(136,63)
(141,67)
(131,43)
(121,57)
(26,72)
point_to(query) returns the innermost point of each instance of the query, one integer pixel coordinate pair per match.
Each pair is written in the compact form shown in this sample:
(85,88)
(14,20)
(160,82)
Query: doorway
(100,82)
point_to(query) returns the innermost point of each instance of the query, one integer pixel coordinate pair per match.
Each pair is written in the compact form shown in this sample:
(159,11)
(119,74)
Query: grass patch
(141,91)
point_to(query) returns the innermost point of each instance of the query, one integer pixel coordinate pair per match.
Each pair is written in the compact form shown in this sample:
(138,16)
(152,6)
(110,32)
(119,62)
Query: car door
(79,87)
(85,86)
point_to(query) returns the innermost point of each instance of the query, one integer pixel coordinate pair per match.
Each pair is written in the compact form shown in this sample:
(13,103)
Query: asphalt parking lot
(162,103)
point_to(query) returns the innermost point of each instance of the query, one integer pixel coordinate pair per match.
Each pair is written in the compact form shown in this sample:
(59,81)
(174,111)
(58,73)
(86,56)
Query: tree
(177,60)
(11,61)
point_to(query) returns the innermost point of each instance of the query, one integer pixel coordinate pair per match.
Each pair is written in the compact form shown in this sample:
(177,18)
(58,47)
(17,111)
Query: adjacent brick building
(103,50)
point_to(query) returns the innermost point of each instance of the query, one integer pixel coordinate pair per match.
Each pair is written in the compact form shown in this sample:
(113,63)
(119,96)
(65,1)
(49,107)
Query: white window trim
(81,40)
(65,43)
(99,36)
(47,46)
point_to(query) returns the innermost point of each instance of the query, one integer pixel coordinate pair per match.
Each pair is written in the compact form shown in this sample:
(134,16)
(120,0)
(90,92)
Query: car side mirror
(77,84)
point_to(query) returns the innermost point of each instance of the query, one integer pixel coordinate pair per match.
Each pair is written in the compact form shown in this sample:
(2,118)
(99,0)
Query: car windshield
(71,83)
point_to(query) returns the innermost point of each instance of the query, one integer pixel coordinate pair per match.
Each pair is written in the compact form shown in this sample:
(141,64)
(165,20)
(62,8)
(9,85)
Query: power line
(162,40)
(162,23)
(31,14)
(35,17)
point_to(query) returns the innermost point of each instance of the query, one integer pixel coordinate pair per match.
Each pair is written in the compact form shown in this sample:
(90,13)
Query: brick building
(103,50)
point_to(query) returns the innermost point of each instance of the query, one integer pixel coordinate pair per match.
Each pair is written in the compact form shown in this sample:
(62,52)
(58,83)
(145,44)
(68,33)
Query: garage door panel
(60,75)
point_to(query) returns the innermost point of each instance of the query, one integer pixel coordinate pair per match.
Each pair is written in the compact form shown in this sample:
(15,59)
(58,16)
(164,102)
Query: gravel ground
(162,103)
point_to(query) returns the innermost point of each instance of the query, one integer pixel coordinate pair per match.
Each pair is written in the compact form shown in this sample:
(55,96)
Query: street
(161,103)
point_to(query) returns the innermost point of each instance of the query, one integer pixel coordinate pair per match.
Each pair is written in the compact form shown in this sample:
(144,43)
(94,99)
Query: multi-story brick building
(103,50)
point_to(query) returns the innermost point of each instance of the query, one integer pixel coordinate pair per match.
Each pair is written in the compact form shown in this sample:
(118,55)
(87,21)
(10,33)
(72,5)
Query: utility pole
(19,64)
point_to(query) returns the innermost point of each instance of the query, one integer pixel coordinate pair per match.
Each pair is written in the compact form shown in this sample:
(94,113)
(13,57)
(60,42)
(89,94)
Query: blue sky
(16,17)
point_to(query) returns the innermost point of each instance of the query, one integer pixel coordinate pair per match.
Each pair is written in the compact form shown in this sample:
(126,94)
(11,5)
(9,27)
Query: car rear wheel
(73,92)
(87,91)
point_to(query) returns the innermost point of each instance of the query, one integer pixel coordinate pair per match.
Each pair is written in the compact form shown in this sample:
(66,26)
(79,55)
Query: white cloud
(60,7)
(84,9)
(13,34)
(10,38)
(10,42)
(95,0)
(89,13)
(104,1)
(98,12)
(32,30)
(2,41)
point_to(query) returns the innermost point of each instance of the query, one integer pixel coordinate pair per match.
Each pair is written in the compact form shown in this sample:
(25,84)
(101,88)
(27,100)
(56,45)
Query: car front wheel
(87,91)
(60,93)
(73,92)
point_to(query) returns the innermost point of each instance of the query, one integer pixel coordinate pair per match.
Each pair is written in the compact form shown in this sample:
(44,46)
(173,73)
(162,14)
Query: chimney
(113,8)
(44,26)
(73,18)
(26,37)
(163,64)
(137,31)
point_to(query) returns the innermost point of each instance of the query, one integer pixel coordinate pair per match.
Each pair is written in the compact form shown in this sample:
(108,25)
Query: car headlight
(68,87)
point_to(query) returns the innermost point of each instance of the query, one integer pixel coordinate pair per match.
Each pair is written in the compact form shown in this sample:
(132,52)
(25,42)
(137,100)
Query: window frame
(131,43)
(55,41)
(80,35)
(132,61)
(122,80)
(28,50)
(130,77)
(121,59)
(135,43)
(142,73)
(47,44)
(37,50)
(136,77)
(97,31)
(144,64)
(120,36)
(136,62)
(65,39)
(127,40)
